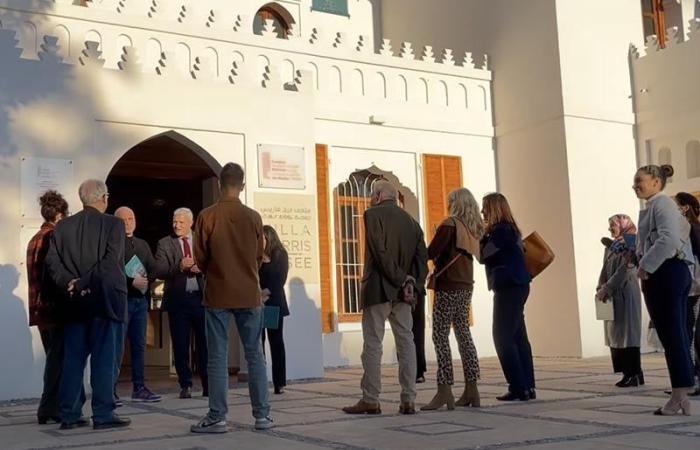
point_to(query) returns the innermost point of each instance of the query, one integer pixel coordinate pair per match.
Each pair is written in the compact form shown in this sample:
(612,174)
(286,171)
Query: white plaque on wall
(40,175)
(281,166)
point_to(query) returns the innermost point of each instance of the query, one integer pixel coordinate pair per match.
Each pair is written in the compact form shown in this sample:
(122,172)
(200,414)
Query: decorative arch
(424,90)
(64,40)
(94,36)
(357,83)
(666,157)
(335,80)
(282,19)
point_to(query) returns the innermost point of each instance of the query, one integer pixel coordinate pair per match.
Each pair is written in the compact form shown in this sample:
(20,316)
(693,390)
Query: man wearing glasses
(86,261)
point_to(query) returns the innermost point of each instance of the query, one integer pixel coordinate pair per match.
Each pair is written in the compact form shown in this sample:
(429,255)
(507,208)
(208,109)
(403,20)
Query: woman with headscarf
(618,284)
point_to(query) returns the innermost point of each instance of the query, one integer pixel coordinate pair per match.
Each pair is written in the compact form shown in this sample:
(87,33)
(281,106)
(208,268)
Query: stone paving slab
(578,407)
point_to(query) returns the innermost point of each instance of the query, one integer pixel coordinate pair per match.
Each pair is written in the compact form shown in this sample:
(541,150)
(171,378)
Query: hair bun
(667,170)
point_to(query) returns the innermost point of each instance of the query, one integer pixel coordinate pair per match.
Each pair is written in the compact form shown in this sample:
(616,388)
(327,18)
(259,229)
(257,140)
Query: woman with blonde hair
(508,278)
(453,249)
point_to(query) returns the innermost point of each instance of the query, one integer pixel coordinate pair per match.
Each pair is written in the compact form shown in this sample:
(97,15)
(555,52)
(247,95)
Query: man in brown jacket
(229,251)
(395,255)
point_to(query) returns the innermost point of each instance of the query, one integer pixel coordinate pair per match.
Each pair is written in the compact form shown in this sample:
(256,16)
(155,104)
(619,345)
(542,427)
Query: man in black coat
(395,256)
(86,260)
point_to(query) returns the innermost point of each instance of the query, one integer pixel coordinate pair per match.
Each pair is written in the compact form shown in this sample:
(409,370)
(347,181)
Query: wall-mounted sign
(40,175)
(293,216)
(339,7)
(281,166)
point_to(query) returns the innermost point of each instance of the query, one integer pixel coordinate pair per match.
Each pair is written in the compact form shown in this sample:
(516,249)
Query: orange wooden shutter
(324,237)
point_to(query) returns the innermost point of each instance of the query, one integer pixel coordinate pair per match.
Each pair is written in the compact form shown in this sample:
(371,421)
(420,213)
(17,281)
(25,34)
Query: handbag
(432,278)
(538,255)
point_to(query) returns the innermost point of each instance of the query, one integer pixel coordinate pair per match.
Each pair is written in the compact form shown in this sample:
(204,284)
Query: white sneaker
(207,425)
(264,423)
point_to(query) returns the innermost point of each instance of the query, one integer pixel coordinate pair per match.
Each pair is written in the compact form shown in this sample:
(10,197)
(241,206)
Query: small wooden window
(654,20)
(280,23)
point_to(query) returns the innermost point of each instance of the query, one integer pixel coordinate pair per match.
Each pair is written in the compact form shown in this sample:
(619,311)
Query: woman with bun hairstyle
(690,208)
(665,257)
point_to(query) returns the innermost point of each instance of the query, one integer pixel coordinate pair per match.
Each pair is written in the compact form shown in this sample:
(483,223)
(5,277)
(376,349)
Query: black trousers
(185,317)
(666,297)
(419,335)
(277,354)
(510,337)
(626,361)
(52,340)
(693,322)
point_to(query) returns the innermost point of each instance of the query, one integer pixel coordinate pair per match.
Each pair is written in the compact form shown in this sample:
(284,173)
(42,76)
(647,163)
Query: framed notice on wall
(281,166)
(338,7)
(40,175)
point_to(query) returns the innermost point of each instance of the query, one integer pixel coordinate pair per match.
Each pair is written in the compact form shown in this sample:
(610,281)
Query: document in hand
(604,311)
(135,268)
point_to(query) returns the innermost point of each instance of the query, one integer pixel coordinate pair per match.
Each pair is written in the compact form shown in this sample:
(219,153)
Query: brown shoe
(363,407)
(407,408)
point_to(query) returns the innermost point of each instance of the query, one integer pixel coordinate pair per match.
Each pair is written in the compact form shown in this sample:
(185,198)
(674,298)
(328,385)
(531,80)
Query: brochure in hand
(135,268)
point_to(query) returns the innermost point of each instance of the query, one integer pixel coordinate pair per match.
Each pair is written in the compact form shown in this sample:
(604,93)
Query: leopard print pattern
(452,310)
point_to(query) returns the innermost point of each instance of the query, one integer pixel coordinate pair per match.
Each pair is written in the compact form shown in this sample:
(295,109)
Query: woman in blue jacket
(508,278)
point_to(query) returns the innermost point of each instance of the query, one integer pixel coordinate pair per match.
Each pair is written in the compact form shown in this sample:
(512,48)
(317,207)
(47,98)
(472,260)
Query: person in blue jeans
(139,264)
(229,251)
(508,278)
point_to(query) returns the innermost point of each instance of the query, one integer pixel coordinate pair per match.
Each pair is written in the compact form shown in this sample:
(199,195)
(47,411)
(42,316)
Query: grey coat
(621,284)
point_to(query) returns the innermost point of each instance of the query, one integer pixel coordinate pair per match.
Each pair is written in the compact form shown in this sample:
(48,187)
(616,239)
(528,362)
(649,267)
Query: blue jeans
(135,330)
(250,328)
(99,339)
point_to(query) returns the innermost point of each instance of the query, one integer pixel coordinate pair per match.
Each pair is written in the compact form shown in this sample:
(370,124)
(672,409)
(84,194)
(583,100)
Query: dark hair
(661,173)
(52,204)
(689,200)
(274,245)
(232,176)
(497,210)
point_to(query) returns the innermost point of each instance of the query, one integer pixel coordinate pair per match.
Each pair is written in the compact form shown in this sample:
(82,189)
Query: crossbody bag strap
(454,260)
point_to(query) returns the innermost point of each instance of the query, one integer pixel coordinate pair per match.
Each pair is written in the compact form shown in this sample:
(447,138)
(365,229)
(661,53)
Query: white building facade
(316,103)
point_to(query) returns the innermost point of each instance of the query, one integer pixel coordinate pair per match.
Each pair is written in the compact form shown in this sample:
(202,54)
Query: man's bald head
(382,190)
(127,215)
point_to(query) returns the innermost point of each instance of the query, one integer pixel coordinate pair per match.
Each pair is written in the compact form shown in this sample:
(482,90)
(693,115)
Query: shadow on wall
(303,335)
(16,354)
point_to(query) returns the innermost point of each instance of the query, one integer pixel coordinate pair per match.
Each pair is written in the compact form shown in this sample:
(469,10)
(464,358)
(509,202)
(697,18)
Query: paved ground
(577,408)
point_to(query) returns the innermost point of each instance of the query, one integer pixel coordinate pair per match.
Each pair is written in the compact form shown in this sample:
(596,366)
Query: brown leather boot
(470,396)
(363,407)
(407,408)
(443,397)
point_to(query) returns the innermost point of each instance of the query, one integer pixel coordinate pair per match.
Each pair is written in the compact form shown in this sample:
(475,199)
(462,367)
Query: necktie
(186,247)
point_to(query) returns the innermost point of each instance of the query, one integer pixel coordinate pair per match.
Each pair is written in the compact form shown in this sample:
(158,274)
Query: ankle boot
(443,397)
(470,396)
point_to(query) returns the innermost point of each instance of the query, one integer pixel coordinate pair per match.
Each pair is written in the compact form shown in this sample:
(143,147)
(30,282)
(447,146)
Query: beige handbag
(538,255)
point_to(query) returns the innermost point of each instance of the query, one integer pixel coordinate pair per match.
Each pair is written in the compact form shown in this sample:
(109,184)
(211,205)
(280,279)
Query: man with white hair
(395,262)
(86,260)
(182,299)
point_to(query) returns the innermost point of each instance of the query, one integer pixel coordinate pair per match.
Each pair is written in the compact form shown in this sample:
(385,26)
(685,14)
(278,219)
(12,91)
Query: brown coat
(451,239)
(229,251)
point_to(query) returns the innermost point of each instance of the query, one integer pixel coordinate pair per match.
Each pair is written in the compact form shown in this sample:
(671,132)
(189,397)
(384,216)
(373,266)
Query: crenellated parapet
(196,41)
(674,38)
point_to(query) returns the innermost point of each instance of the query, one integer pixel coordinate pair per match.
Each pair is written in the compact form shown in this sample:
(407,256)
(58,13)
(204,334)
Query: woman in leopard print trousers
(452,249)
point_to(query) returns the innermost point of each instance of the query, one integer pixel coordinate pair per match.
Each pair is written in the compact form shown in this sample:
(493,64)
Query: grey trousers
(373,319)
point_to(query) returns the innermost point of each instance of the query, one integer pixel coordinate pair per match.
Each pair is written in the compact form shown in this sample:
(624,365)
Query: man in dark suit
(86,259)
(182,298)
(395,256)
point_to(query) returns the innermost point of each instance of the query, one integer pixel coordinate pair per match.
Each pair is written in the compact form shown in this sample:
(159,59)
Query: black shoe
(533,393)
(668,392)
(115,422)
(640,378)
(205,393)
(626,382)
(509,397)
(695,393)
(186,392)
(43,420)
(279,390)
(77,424)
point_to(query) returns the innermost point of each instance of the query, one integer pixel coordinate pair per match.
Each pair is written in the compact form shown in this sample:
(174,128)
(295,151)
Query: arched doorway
(155,177)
